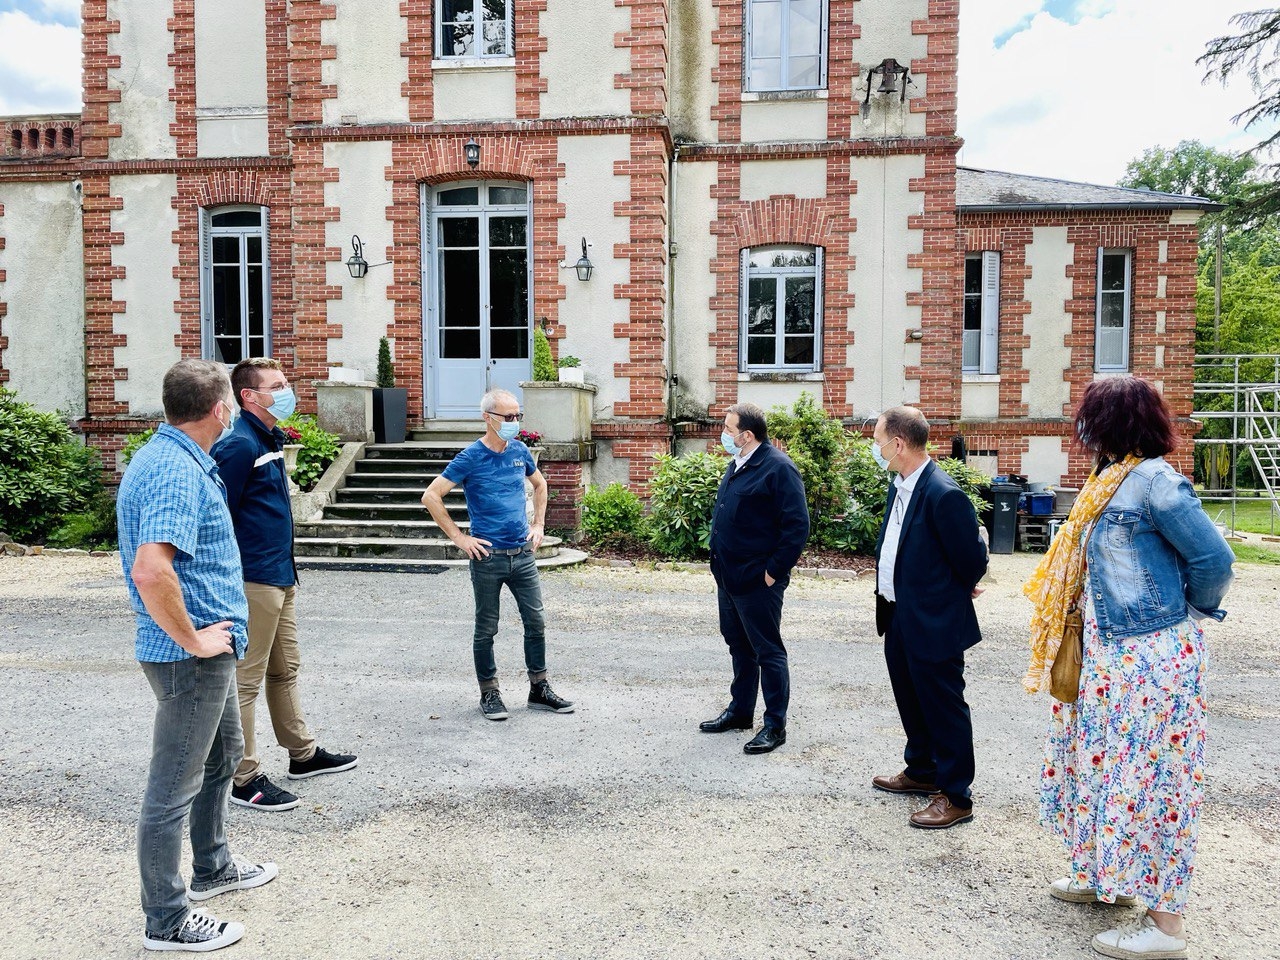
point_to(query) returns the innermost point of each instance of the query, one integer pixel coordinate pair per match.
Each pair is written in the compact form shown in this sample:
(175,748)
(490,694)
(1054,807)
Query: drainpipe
(673,381)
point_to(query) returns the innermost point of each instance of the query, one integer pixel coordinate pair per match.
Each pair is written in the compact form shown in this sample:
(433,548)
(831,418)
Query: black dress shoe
(726,721)
(770,738)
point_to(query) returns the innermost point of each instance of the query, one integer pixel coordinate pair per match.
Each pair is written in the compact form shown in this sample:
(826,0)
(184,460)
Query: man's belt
(513,552)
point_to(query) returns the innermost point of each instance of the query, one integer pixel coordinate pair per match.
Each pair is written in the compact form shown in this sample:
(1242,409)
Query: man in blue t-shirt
(501,544)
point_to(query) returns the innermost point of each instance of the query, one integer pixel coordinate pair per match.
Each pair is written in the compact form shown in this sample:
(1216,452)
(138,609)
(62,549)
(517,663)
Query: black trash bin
(1004,520)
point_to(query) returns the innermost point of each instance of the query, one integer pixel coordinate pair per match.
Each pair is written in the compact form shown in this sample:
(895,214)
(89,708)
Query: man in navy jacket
(929,559)
(251,463)
(759,528)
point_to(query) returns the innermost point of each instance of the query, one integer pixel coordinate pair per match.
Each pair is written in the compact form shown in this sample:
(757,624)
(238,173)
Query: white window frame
(477,14)
(748,21)
(207,233)
(744,285)
(988,334)
(1126,330)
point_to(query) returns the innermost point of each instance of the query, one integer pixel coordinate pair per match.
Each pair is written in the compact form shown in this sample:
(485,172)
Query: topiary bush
(613,516)
(319,449)
(45,471)
(544,364)
(682,498)
(386,372)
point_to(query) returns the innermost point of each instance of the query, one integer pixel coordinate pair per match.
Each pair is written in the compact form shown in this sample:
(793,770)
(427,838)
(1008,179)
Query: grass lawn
(1252,553)
(1252,516)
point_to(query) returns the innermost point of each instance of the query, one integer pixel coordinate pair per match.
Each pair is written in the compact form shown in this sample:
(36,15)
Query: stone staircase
(378,522)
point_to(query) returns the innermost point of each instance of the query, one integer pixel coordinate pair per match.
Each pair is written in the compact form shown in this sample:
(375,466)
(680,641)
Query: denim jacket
(1155,558)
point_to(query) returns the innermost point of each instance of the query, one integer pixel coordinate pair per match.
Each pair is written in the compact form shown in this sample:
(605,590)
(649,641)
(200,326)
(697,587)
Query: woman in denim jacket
(1123,777)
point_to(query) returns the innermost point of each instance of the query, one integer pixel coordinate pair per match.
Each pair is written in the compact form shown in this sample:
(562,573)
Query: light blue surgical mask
(283,402)
(730,446)
(231,423)
(879,457)
(509,430)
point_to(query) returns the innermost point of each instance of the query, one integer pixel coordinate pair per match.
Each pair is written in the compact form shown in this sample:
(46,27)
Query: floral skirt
(1123,777)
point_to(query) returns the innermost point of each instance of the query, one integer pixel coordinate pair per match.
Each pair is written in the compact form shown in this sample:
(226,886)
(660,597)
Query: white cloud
(1079,100)
(39,66)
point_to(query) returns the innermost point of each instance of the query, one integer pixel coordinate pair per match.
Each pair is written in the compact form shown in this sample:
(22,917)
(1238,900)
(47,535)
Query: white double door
(477,284)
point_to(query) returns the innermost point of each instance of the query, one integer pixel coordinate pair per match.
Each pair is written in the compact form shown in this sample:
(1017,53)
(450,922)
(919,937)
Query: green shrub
(569,361)
(971,481)
(45,472)
(544,365)
(614,512)
(682,500)
(858,530)
(135,443)
(319,449)
(91,529)
(819,447)
(386,372)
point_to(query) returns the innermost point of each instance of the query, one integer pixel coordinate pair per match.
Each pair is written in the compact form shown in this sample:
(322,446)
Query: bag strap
(1084,547)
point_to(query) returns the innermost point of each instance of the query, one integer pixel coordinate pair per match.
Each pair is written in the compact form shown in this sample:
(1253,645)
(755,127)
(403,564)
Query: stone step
(402,481)
(419,528)
(395,494)
(382,465)
(564,558)
(392,548)
(365,510)
(412,450)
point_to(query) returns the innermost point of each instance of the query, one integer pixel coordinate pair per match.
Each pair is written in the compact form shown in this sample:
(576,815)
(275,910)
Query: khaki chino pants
(272,654)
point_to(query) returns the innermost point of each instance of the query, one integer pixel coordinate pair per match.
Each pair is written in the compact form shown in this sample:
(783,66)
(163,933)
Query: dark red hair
(1122,415)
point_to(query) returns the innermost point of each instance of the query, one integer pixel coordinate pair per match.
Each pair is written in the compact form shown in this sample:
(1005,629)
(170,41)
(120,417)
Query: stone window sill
(773,96)
(780,376)
(477,64)
(980,378)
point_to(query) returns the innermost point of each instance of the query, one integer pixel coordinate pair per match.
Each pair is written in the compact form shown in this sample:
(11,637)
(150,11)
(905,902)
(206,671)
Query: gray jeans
(520,575)
(195,748)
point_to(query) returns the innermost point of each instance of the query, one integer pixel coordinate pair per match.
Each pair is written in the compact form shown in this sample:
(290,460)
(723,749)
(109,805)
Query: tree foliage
(1193,169)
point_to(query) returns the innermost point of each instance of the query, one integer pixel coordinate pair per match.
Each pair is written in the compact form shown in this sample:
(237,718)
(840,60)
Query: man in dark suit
(929,559)
(759,528)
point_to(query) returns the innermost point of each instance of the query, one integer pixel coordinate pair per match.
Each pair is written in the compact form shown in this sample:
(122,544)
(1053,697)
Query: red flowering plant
(530,438)
(291,433)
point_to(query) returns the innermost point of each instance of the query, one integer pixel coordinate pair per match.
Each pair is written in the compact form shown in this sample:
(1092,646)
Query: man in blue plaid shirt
(182,569)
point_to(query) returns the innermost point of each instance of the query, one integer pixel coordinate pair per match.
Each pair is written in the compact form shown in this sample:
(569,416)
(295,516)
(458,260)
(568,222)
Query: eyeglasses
(508,417)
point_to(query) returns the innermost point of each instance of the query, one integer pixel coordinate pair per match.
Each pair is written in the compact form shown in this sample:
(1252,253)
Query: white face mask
(229,428)
(879,457)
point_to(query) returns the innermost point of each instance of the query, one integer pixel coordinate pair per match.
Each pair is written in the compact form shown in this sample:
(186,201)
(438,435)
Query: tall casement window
(235,284)
(473,29)
(980,344)
(781,309)
(477,279)
(1115,298)
(786,45)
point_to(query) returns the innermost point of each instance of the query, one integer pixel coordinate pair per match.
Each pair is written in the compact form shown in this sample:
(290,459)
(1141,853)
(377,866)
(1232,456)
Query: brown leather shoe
(901,783)
(940,814)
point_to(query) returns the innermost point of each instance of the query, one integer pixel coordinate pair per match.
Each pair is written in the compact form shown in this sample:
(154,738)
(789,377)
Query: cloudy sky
(1064,88)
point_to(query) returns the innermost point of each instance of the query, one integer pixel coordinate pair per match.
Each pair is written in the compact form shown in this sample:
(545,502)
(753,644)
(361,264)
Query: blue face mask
(509,430)
(231,424)
(727,441)
(879,457)
(283,403)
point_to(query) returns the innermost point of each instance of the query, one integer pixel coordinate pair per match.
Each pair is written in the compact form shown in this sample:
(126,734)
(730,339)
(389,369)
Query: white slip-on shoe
(1142,940)
(1069,890)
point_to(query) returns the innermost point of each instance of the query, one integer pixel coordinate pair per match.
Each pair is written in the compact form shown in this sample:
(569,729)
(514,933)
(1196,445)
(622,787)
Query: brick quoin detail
(278,77)
(564,500)
(96,128)
(431,160)
(649,42)
(183,93)
(842,72)
(100,309)
(419,50)
(4,307)
(531,44)
(311,257)
(307,90)
(727,69)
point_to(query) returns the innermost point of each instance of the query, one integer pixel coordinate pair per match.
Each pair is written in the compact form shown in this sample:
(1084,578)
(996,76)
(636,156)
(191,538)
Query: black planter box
(390,414)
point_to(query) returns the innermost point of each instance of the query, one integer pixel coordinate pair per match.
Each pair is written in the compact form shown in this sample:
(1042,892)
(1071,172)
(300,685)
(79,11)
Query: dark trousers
(935,717)
(752,627)
(519,573)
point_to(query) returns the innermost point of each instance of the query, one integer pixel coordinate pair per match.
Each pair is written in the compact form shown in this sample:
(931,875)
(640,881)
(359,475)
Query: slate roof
(994,190)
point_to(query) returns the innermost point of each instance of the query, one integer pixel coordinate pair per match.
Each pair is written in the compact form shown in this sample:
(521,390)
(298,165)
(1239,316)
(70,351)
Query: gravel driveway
(618,831)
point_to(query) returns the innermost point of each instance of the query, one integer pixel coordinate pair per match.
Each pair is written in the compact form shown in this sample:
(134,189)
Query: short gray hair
(489,402)
(191,388)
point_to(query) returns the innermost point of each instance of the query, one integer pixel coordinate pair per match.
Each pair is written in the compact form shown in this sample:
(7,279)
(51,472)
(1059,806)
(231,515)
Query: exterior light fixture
(472,151)
(890,71)
(584,266)
(356,263)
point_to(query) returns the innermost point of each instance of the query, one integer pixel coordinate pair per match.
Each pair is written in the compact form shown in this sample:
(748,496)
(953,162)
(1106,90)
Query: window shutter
(990,351)
(746,47)
(744,260)
(267,345)
(206,285)
(819,282)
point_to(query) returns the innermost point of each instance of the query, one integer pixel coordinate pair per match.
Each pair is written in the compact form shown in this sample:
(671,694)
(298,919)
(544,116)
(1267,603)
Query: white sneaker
(199,933)
(240,876)
(1072,891)
(1140,941)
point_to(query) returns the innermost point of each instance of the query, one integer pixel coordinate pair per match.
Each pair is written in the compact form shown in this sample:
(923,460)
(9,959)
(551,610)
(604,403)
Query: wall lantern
(584,265)
(356,263)
(890,71)
(472,151)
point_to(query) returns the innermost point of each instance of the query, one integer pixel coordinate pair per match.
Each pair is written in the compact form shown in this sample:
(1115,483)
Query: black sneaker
(542,697)
(261,794)
(491,705)
(199,933)
(322,761)
(239,876)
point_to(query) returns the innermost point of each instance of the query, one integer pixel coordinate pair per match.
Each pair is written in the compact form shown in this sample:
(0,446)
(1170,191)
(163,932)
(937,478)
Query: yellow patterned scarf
(1059,578)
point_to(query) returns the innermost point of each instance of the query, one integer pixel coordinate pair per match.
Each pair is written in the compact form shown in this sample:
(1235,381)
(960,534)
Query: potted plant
(390,403)
(533,440)
(544,364)
(293,443)
(570,369)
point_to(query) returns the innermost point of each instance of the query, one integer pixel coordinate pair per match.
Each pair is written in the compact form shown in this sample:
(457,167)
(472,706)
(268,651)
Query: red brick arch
(785,220)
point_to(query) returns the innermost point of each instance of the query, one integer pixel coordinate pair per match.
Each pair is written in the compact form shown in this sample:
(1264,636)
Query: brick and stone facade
(631,126)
